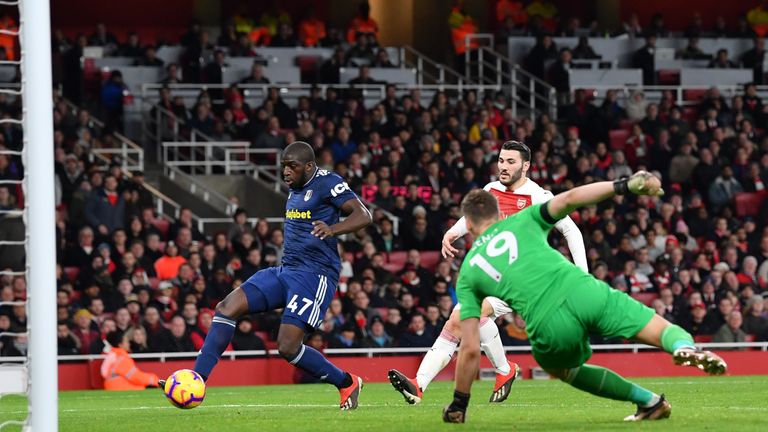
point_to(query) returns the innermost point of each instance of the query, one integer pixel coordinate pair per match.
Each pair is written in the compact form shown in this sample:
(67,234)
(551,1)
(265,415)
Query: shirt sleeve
(539,214)
(339,191)
(468,294)
(575,241)
(460,227)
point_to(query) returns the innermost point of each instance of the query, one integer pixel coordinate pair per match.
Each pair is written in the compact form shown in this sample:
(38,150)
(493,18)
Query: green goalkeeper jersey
(512,260)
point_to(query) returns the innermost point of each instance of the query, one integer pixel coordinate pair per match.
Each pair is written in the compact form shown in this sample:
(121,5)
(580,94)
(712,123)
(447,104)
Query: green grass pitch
(698,404)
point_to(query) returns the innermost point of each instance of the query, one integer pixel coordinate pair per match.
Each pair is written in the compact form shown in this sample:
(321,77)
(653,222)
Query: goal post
(37,88)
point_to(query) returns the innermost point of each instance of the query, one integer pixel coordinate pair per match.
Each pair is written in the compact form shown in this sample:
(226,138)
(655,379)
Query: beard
(514,176)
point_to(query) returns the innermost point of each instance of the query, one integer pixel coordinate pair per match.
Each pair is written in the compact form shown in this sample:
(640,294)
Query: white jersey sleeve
(566,226)
(460,227)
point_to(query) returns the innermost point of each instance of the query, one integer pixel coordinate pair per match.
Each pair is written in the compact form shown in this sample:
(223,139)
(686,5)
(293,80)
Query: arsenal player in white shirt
(514,191)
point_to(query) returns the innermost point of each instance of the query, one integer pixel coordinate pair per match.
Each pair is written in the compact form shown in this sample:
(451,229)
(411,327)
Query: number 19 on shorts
(293,305)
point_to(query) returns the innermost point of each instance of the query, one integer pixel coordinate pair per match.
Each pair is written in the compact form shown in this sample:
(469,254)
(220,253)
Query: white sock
(490,342)
(654,400)
(436,358)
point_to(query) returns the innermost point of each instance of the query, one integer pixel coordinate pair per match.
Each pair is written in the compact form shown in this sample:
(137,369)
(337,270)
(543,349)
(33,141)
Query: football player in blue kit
(305,283)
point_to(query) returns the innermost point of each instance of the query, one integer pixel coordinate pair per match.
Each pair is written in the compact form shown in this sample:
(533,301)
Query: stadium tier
(280,194)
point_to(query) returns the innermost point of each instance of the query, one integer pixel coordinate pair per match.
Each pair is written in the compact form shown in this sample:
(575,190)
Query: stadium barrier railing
(372,352)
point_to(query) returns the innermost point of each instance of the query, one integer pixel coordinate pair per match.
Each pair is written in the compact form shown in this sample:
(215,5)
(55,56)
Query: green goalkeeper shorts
(561,340)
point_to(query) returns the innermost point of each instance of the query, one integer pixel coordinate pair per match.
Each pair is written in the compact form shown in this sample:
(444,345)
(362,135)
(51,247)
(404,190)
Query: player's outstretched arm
(641,183)
(358,217)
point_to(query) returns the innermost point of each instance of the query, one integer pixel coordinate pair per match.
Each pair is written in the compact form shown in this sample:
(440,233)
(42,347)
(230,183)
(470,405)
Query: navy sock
(316,364)
(219,336)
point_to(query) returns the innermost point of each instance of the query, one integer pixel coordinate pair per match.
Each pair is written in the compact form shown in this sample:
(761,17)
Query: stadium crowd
(689,254)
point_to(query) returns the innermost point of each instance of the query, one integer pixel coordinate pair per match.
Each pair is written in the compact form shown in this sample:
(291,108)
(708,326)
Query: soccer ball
(185,389)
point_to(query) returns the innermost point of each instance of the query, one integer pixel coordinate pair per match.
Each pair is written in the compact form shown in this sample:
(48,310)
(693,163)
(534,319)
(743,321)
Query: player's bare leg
(605,383)
(442,351)
(290,345)
(676,341)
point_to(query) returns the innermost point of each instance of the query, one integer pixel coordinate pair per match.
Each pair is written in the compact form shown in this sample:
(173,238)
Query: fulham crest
(308,195)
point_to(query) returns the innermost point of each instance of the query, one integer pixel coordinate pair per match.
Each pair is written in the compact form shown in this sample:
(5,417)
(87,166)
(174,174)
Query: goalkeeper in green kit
(561,304)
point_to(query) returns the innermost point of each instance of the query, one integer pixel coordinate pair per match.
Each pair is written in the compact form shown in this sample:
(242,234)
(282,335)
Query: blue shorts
(304,295)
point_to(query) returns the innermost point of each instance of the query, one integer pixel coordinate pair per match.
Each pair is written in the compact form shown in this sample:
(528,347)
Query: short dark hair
(115,338)
(479,205)
(301,151)
(524,150)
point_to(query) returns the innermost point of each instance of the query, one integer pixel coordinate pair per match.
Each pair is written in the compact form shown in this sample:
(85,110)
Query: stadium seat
(702,338)
(398,258)
(393,267)
(430,259)
(162,225)
(263,335)
(626,124)
(694,95)
(645,298)
(72,273)
(383,312)
(749,203)
(749,338)
(618,138)
(669,76)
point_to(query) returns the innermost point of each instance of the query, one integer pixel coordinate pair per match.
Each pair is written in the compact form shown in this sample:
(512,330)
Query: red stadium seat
(618,138)
(430,259)
(669,76)
(393,267)
(694,95)
(383,312)
(626,124)
(72,273)
(690,114)
(645,298)
(702,338)
(748,203)
(398,258)
(749,338)
(162,226)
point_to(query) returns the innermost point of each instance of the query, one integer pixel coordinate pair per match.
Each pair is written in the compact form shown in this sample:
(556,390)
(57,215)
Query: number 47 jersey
(512,260)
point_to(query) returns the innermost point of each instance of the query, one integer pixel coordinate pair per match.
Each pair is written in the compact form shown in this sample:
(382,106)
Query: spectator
(700,324)
(284,37)
(256,76)
(346,338)
(363,24)
(382,59)
(753,59)
(416,336)
(754,322)
(149,58)
(101,37)
(179,339)
(119,370)
(112,93)
(583,51)
(721,60)
(731,331)
(692,50)
(105,208)
(543,51)
(244,338)
(311,28)
(167,266)
(67,343)
(363,78)
(725,186)
(83,330)
(377,336)
(644,59)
